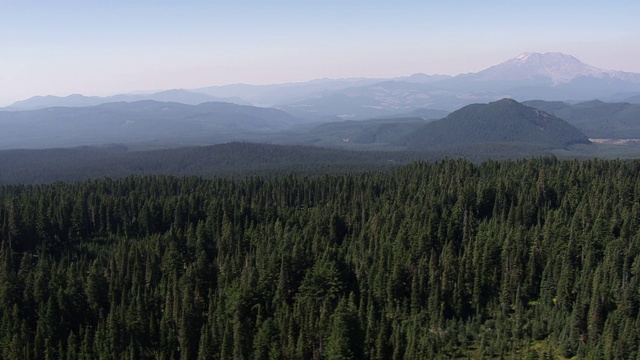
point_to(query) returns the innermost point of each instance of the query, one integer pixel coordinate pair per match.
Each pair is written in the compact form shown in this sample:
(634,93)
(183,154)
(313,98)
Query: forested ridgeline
(236,159)
(527,259)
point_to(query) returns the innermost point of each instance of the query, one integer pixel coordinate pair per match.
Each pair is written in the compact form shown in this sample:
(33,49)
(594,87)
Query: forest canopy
(520,259)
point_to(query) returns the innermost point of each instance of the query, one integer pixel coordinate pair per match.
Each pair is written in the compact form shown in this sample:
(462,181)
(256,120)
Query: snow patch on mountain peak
(554,67)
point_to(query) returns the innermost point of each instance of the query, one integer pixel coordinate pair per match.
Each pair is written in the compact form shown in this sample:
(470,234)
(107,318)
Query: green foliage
(526,259)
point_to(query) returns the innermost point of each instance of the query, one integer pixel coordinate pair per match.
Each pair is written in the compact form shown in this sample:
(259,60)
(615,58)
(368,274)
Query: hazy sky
(103,47)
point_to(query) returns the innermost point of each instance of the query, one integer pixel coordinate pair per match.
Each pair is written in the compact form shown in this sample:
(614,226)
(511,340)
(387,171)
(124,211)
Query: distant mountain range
(158,124)
(152,124)
(409,113)
(548,76)
(76,100)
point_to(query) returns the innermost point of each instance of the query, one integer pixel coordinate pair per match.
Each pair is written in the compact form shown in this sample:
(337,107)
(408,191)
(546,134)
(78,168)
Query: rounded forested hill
(503,121)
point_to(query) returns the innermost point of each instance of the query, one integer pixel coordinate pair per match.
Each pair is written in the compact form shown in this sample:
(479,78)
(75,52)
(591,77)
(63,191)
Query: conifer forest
(528,259)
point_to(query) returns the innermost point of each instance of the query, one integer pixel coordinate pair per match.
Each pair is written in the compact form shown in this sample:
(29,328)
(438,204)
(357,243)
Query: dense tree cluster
(526,259)
(237,159)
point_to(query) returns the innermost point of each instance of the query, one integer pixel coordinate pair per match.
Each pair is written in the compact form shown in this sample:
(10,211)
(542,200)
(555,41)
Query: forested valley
(533,259)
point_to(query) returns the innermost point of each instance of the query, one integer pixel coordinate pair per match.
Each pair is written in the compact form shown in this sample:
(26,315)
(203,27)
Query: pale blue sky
(111,46)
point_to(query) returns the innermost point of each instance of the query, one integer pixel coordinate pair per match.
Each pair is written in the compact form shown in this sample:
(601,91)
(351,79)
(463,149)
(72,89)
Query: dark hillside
(504,121)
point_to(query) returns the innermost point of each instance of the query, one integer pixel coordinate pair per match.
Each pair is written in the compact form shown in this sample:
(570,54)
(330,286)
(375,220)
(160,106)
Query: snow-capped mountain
(549,76)
(558,68)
